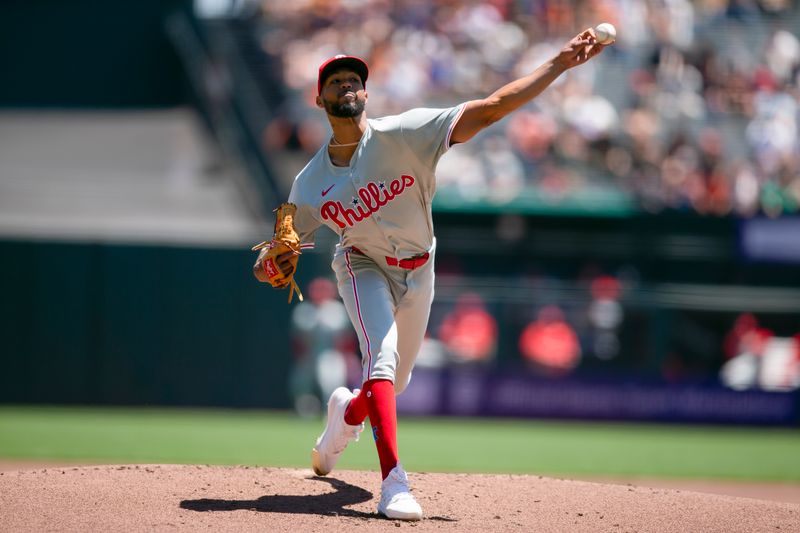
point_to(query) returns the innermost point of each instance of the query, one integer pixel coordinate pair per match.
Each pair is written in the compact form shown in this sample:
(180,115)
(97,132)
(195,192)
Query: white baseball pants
(389,308)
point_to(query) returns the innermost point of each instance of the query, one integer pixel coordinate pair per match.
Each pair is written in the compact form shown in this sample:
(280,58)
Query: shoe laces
(396,482)
(403,496)
(355,431)
(349,433)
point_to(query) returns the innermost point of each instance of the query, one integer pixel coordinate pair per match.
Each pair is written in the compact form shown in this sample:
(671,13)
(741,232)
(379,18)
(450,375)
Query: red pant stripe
(358,311)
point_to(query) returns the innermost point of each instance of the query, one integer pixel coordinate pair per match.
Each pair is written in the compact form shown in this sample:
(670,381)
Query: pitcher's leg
(368,300)
(377,399)
(412,322)
(370,306)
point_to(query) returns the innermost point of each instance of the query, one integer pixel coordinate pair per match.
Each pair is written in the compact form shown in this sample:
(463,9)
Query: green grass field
(226,437)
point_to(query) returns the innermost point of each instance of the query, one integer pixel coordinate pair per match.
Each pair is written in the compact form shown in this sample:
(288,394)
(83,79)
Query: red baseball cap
(356,64)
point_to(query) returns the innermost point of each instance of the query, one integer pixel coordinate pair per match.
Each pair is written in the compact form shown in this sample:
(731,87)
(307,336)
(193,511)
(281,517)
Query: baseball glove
(284,241)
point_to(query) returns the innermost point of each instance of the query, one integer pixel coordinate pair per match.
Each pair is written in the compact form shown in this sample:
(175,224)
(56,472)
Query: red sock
(383,419)
(357,411)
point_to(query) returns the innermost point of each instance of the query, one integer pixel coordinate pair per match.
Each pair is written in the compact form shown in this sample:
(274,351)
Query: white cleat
(396,499)
(337,434)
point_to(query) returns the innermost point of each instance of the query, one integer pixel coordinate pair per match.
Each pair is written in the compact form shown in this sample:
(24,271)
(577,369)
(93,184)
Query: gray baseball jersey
(380,206)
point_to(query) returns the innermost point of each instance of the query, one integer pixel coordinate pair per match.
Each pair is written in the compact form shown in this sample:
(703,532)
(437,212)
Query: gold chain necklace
(338,144)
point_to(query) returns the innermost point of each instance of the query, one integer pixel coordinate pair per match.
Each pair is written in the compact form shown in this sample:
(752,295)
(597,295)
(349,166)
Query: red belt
(409,264)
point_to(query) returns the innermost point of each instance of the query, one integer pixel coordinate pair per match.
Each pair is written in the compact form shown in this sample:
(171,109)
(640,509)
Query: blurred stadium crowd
(592,337)
(695,108)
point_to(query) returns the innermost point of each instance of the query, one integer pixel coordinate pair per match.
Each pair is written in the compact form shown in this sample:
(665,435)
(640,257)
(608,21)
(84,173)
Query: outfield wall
(139,325)
(476,391)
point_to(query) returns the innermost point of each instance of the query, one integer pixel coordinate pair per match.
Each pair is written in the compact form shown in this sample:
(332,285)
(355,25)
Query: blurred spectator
(469,331)
(549,343)
(323,346)
(708,121)
(745,337)
(605,317)
(758,359)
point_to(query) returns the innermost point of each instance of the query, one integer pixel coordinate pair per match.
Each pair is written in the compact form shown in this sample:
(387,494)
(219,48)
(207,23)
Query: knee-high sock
(383,419)
(377,398)
(357,411)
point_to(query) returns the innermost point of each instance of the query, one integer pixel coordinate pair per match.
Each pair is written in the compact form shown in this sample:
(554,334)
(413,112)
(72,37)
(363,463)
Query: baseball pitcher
(372,183)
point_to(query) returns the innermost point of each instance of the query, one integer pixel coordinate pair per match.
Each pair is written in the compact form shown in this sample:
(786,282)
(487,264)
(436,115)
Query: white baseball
(606,33)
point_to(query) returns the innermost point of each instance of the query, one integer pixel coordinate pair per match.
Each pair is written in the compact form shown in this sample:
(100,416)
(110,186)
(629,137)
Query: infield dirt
(215,498)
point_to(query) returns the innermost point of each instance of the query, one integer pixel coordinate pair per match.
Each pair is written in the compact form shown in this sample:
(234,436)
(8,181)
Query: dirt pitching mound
(209,498)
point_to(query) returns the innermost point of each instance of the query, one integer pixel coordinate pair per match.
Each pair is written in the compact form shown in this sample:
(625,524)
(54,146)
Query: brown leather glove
(277,259)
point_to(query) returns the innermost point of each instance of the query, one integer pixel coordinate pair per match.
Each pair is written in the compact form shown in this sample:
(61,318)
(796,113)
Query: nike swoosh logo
(326,191)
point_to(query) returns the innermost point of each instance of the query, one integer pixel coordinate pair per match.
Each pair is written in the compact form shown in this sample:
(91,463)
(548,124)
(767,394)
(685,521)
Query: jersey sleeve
(427,131)
(305,223)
